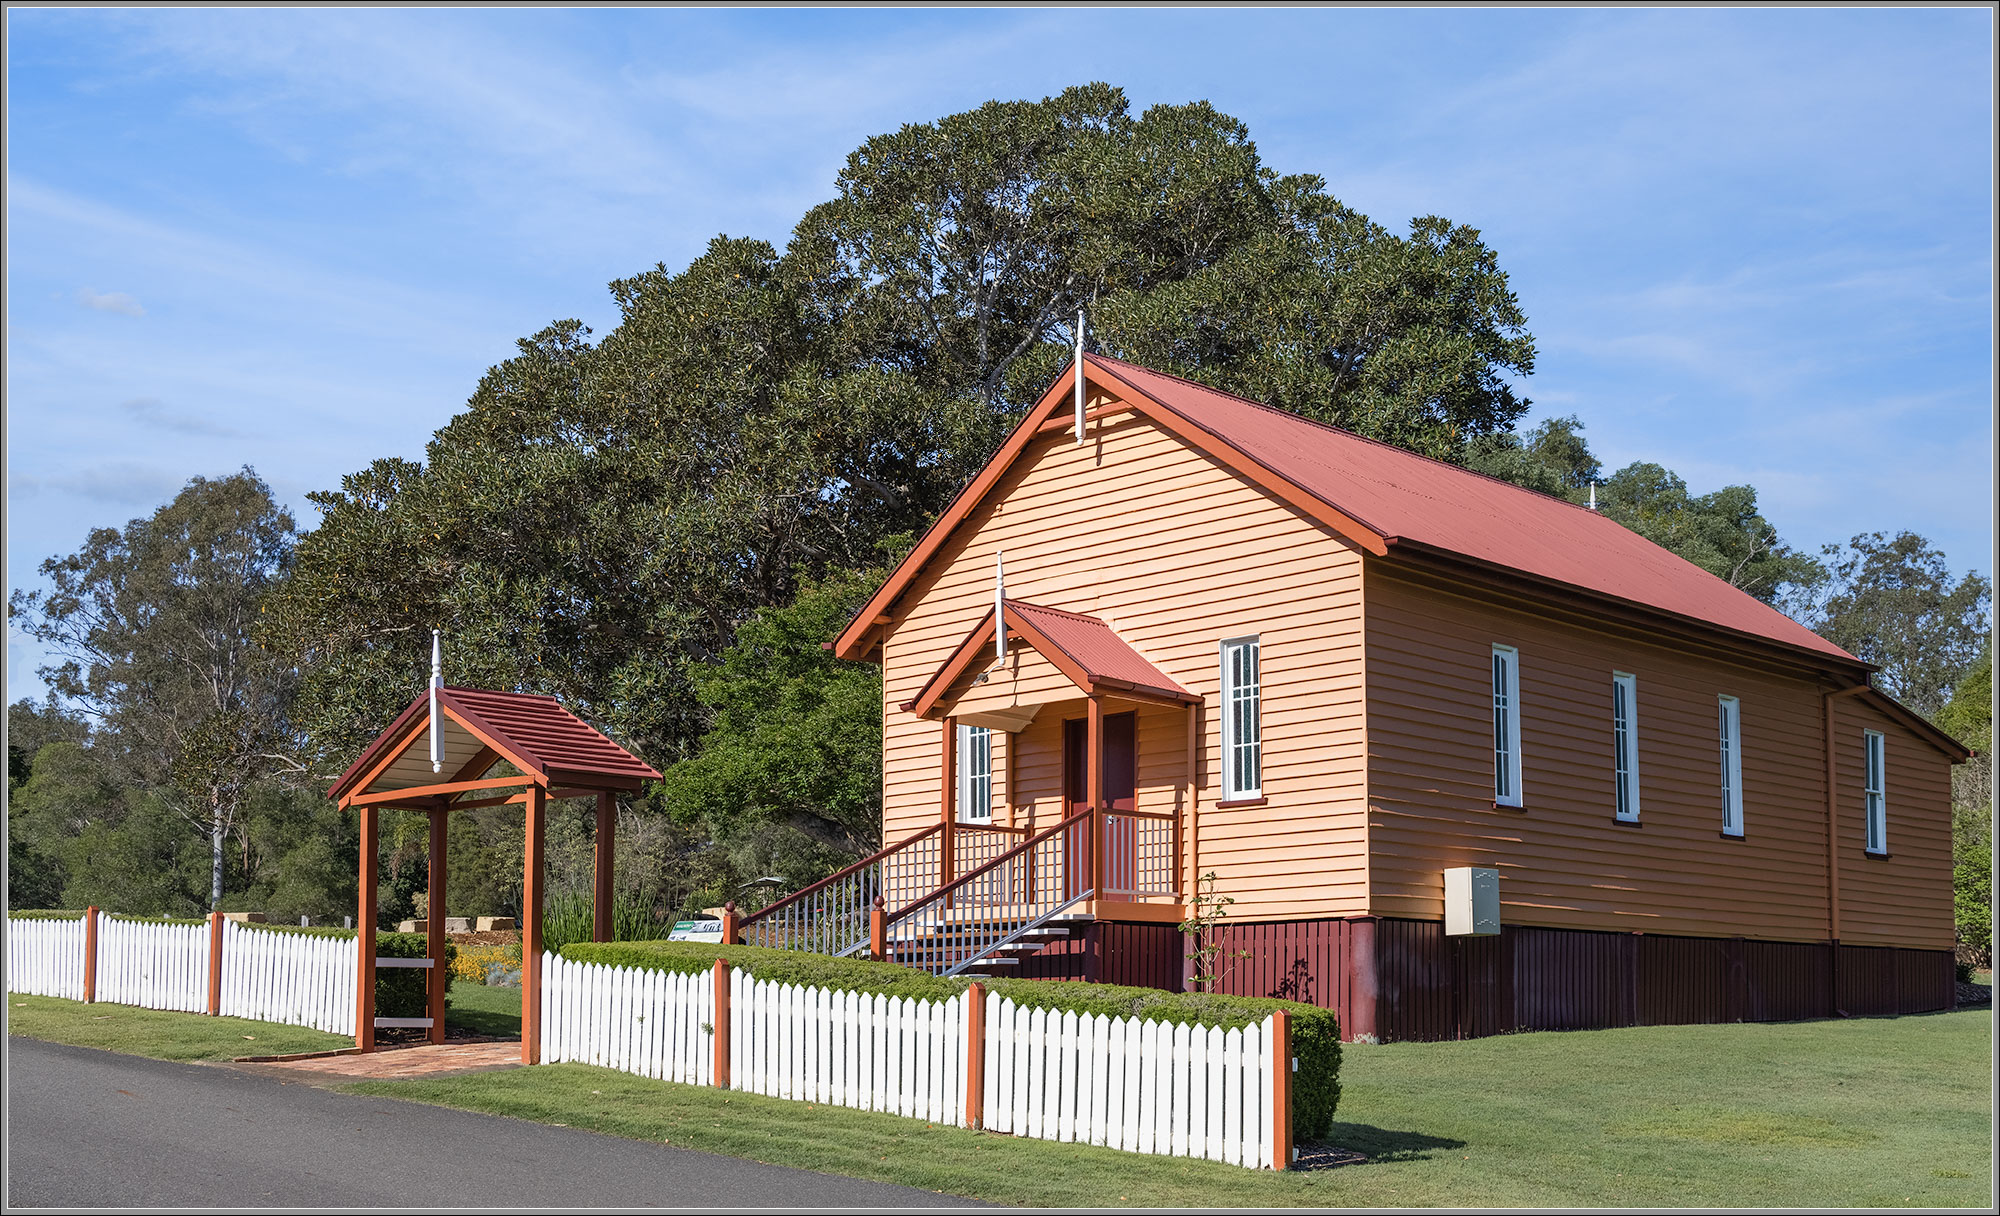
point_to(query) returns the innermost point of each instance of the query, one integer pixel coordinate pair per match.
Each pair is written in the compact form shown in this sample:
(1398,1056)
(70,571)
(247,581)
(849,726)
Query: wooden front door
(1121,783)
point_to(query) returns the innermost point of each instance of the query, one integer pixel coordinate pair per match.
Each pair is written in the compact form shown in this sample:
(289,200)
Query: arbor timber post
(533,869)
(434,941)
(364,935)
(603,853)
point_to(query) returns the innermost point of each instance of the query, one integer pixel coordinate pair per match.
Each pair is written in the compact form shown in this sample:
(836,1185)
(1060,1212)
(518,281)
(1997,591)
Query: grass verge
(159,1033)
(1872,1112)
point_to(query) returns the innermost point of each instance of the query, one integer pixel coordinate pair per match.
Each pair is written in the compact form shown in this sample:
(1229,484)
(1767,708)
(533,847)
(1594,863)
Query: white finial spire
(437,682)
(1079,375)
(999,607)
(1593,496)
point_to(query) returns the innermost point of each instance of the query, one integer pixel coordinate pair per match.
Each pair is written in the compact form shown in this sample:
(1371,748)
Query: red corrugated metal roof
(533,727)
(1405,497)
(1096,648)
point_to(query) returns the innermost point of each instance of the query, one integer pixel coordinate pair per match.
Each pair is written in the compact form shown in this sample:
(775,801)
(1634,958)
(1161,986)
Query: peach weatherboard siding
(1175,552)
(1564,859)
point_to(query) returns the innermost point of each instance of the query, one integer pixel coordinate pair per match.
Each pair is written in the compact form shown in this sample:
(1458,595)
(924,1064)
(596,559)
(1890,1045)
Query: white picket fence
(1125,1083)
(864,1050)
(267,975)
(45,957)
(152,965)
(645,1022)
(294,978)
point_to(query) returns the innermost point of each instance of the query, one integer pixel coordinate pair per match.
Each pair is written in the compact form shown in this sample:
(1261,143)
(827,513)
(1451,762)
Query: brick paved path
(399,1063)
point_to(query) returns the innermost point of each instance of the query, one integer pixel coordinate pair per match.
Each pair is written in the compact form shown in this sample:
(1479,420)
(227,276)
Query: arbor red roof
(1387,501)
(530,730)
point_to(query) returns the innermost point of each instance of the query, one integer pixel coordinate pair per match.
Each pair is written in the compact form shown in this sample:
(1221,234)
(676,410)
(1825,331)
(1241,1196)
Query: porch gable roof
(1085,649)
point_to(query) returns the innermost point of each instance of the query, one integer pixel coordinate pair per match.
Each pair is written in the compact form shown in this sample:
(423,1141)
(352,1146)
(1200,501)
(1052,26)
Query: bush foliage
(1315,1031)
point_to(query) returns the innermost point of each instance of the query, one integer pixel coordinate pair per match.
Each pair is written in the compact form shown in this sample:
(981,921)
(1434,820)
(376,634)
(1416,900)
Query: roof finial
(1079,375)
(1593,494)
(437,682)
(1000,607)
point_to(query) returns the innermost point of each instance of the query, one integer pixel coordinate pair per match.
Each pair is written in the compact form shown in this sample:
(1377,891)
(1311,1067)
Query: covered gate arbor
(541,752)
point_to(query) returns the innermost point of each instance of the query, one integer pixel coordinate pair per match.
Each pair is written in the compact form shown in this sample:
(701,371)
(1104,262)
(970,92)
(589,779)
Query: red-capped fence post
(214,964)
(721,1023)
(1281,1090)
(975,1056)
(90,954)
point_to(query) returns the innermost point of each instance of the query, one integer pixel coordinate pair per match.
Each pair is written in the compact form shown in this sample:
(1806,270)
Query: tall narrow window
(1242,729)
(1729,730)
(1876,795)
(975,773)
(1506,726)
(1625,742)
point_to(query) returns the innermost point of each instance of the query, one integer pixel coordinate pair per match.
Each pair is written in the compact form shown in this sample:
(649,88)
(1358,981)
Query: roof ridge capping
(1295,416)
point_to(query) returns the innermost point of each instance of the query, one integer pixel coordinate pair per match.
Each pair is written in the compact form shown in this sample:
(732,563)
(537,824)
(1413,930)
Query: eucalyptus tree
(152,628)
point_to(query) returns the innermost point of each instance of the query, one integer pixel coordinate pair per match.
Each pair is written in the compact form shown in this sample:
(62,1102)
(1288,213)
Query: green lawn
(160,1034)
(476,1007)
(1887,1111)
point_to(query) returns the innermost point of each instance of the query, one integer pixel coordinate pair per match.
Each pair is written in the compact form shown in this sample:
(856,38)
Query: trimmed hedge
(1315,1031)
(45,914)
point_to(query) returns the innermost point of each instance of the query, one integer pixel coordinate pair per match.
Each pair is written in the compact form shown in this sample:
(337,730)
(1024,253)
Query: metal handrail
(835,877)
(952,887)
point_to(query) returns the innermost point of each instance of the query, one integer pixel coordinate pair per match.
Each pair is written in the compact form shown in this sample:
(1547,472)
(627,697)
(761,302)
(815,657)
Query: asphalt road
(90,1128)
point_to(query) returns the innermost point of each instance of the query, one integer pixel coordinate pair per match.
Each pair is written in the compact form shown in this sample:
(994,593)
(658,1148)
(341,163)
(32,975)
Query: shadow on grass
(1361,1144)
(483,1010)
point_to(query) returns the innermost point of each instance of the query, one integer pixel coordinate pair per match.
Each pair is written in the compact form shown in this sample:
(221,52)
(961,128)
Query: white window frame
(1506,725)
(1875,790)
(1625,745)
(975,774)
(1242,706)
(1729,742)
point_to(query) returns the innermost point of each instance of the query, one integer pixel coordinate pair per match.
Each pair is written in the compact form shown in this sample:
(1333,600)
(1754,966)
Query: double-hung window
(1506,726)
(1625,743)
(1242,726)
(1729,732)
(975,774)
(1875,793)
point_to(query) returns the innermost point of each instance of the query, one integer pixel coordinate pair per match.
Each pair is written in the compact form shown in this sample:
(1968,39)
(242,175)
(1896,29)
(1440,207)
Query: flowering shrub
(474,962)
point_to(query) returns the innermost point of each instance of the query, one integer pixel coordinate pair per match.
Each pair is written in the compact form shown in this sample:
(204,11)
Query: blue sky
(1752,246)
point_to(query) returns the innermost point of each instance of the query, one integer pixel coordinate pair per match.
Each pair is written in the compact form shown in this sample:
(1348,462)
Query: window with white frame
(1729,732)
(1506,726)
(1625,742)
(975,773)
(1242,727)
(1875,794)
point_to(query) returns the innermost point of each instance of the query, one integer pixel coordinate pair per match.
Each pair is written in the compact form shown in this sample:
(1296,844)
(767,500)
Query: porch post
(1094,792)
(948,800)
(434,943)
(531,924)
(601,860)
(364,936)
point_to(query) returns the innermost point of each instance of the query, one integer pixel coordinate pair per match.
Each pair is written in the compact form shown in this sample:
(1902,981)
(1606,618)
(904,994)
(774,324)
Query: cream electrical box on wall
(1471,901)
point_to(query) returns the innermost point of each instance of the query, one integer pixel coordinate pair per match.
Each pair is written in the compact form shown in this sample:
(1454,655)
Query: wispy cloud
(151,412)
(110,301)
(117,483)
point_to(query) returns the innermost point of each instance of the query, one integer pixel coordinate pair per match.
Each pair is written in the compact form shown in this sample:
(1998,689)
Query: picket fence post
(975,1055)
(215,964)
(1281,1090)
(721,1024)
(90,954)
